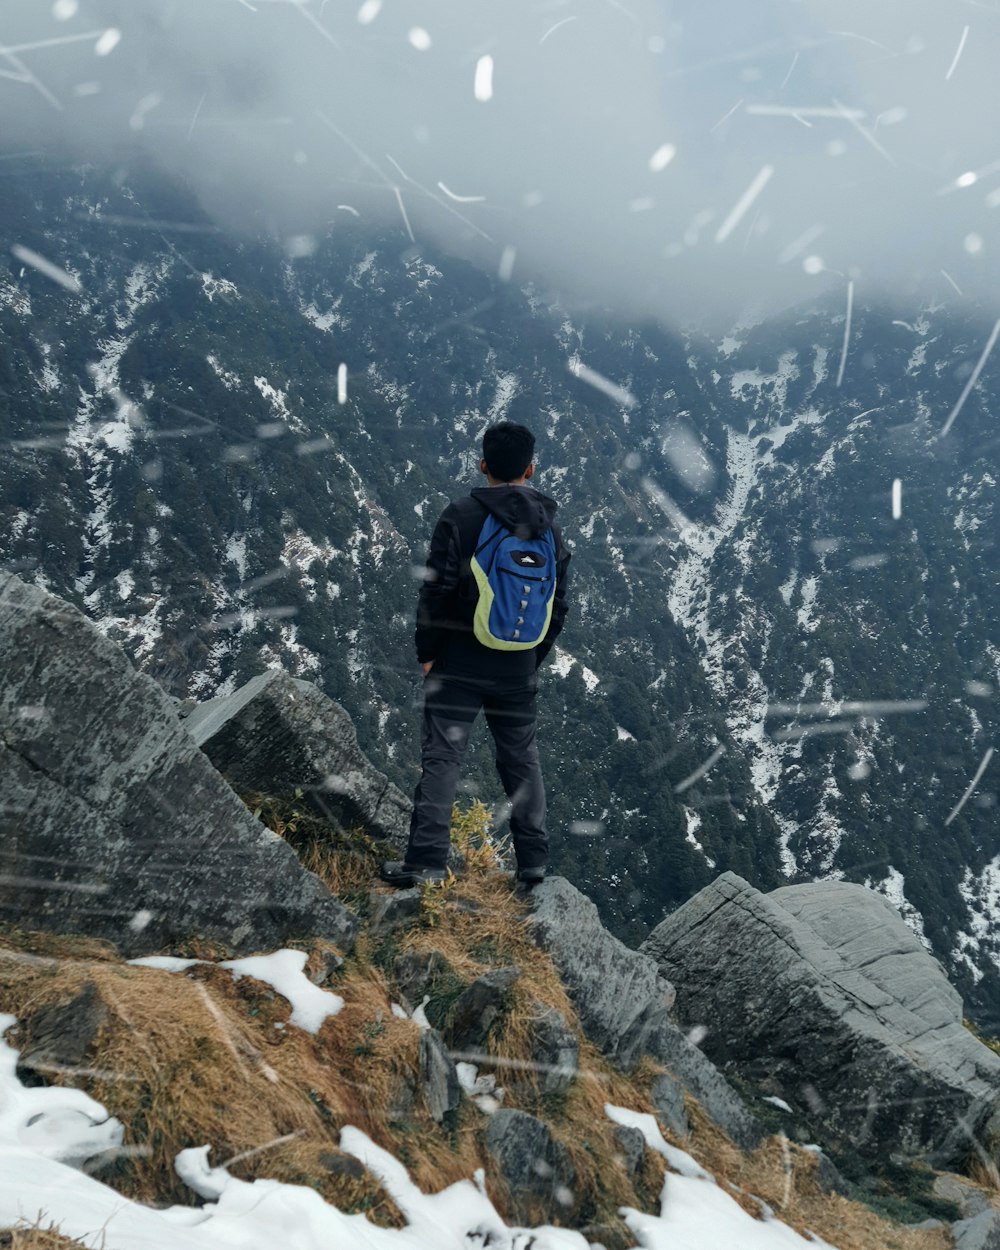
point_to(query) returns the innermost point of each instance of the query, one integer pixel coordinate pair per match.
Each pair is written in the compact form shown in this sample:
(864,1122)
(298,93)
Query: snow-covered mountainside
(232,456)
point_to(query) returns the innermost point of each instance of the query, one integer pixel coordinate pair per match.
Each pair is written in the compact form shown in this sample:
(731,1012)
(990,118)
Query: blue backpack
(516,578)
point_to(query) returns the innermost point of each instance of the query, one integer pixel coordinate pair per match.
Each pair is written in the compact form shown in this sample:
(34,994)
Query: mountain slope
(188,463)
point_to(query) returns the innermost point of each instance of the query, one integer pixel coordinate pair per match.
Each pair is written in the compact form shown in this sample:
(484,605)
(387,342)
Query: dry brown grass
(197,1058)
(345,862)
(785,1176)
(54,945)
(37,1238)
(187,1060)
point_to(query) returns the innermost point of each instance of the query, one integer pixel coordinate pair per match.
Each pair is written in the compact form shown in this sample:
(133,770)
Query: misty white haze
(676,159)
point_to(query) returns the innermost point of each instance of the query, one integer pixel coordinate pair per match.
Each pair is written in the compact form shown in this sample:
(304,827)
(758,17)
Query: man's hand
(427,667)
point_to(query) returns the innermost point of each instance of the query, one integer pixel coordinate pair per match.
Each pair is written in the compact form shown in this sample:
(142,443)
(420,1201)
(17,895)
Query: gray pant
(451,705)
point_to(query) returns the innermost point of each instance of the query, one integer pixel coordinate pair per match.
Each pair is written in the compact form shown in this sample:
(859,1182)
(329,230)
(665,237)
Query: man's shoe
(406,875)
(531,876)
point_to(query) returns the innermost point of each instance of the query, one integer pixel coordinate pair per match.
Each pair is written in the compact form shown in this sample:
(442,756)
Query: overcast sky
(687,158)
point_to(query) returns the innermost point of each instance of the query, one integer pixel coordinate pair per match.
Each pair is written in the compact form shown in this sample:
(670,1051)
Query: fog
(692,161)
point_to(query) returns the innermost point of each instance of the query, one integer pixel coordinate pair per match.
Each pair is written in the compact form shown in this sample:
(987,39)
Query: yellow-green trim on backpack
(481,620)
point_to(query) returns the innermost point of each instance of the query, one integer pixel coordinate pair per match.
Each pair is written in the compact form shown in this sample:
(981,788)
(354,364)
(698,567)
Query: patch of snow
(777,1102)
(228,379)
(217,286)
(49,379)
(283,970)
(236,554)
(820,371)
(693,820)
(325,321)
(301,552)
(754,380)
(892,888)
(12,297)
(804,616)
(505,392)
(981,894)
(917,358)
(678,1159)
(361,268)
(562,663)
(279,405)
(19,524)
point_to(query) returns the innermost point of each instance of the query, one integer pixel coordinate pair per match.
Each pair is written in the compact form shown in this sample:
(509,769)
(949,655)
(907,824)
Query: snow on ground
(325,321)
(301,552)
(228,379)
(693,820)
(695,1213)
(892,888)
(46,1134)
(981,893)
(505,392)
(563,662)
(213,286)
(278,400)
(283,971)
(11,296)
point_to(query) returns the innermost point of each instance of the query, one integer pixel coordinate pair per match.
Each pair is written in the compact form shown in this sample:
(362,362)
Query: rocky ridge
(507,1006)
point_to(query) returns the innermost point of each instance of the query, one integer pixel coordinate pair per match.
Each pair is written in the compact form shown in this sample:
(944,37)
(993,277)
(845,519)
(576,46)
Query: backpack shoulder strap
(470,515)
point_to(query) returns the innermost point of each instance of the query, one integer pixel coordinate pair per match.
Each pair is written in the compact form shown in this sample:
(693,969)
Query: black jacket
(448,595)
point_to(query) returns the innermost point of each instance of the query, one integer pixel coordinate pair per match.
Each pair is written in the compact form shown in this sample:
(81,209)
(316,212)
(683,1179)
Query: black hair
(508,449)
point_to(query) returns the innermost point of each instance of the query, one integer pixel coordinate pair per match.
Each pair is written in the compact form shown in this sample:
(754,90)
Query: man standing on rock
(492,603)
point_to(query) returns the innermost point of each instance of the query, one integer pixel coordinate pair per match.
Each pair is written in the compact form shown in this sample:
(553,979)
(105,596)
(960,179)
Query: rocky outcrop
(981,1232)
(438,1076)
(477,1008)
(62,1037)
(820,994)
(282,737)
(623,1002)
(613,987)
(112,821)
(536,1168)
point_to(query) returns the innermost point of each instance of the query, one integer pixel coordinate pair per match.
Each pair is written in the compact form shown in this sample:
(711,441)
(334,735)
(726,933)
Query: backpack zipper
(523,576)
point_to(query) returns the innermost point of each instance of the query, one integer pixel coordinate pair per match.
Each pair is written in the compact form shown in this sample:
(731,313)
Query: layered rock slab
(112,821)
(820,993)
(283,737)
(623,1002)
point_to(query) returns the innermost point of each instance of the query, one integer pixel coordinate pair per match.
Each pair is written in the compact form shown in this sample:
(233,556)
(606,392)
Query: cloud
(684,160)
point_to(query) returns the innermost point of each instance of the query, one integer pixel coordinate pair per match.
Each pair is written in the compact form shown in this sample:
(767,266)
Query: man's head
(508,450)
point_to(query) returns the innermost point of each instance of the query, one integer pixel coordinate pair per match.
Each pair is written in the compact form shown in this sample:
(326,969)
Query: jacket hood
(524,510)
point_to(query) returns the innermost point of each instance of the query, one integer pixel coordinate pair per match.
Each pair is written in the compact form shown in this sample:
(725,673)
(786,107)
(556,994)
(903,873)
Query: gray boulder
(391,911)
(62,1037)
(624,1002)
(612,987)
(536,1168)
(555,1050)
(413,972)
(667,1096)
(438,1076)
(277,735)
(982,1232)
(633,1146)
(112,822)
(969,1198)
(824,984)
(477,1007)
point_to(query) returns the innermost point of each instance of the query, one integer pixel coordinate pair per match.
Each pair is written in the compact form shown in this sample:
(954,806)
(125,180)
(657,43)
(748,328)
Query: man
(463,674)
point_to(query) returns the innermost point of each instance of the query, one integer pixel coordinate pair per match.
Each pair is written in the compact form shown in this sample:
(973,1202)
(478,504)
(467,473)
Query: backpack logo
(516,578)
(527,559)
